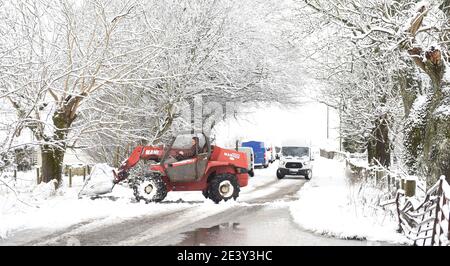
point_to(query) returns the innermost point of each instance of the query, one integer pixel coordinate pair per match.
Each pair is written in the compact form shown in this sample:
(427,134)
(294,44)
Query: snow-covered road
(261,216)
(180,212)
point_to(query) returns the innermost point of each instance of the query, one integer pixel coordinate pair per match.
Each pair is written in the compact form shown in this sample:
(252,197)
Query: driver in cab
(190,153)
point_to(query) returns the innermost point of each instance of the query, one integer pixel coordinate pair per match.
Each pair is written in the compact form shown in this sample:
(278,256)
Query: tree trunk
(55,147)
(413,142)
(436,145)
(410,87)
(52,160)
(435,136)
(371,151)
(378,147)
(382,146)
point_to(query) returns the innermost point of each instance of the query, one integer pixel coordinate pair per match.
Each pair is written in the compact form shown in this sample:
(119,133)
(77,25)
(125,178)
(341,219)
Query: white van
(296,160)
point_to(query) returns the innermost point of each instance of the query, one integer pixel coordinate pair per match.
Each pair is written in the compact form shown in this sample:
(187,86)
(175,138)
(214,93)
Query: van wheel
(223,187)
(308,176)
(280,175)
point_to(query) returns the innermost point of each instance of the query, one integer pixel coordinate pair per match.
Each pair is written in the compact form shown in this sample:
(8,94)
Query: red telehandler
(219,173)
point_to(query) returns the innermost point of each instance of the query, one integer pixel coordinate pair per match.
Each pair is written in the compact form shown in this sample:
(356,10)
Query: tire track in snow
(98,233)
(197,216)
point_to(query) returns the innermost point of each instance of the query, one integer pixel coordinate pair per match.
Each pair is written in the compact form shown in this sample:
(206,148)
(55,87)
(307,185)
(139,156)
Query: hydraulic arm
(139,153)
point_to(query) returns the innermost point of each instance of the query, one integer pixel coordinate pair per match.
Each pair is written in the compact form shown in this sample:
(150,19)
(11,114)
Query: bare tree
(398,35)
(70,51)
(214,51)
(104,75)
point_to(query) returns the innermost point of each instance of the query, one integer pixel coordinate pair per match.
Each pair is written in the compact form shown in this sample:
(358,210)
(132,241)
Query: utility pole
(340,128)
(341,110)
(328,122)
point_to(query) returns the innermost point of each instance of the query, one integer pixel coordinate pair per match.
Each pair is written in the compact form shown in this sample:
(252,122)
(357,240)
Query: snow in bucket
(99,182)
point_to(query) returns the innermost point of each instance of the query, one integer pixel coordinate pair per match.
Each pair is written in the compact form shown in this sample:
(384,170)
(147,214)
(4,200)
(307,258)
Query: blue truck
(260,151)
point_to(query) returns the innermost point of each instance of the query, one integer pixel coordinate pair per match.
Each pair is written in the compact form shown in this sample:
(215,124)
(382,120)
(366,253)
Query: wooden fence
(427,222)
(68,170)
(333,154)
(379,176)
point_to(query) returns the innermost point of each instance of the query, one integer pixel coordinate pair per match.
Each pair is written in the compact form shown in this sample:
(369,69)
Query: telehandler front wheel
(149,187)
(223,187)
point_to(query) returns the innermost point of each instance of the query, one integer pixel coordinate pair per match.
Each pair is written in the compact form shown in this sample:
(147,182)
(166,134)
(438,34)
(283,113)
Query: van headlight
(282,163)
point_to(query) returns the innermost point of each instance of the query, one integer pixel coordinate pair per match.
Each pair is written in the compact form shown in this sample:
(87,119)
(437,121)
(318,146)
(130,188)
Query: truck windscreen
(295,151)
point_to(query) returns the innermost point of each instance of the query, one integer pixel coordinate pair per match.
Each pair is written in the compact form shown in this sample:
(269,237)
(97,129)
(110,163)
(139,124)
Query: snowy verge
(325,206)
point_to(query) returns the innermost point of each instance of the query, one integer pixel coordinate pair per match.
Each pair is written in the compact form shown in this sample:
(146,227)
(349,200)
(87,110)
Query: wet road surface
(265,226)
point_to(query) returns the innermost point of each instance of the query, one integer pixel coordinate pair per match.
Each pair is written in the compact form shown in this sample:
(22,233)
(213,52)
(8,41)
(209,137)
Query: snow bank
(45,190)
(325,206)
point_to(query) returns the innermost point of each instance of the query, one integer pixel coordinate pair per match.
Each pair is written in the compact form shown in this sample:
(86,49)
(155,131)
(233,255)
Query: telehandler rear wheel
(149,187)
(205,193)
(223,187)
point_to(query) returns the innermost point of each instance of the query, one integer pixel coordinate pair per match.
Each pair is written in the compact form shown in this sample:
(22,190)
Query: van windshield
(295,151)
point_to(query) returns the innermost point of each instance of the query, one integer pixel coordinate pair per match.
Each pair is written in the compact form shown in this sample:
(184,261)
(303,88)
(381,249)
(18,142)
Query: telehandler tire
(149,187)
(223,187)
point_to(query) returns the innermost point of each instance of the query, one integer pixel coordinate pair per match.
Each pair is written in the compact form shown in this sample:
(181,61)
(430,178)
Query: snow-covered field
(326,206)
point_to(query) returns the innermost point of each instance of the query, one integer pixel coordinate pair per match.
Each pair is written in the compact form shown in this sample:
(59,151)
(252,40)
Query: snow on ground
(262,178)
(41,207)
(49,210)
(325,206)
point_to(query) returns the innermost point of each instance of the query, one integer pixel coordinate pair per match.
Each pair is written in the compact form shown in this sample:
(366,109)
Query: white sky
(275,124)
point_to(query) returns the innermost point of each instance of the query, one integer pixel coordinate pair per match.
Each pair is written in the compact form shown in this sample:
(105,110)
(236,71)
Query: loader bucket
(99,182)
